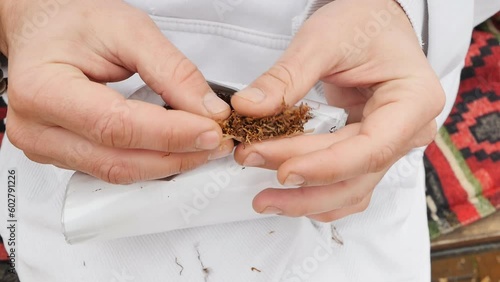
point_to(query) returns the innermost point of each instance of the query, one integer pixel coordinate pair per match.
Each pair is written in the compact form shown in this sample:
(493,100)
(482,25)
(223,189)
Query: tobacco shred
(243,129)
(247,129)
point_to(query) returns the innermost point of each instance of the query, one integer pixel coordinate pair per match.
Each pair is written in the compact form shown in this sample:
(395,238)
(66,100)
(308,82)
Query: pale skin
(57,99)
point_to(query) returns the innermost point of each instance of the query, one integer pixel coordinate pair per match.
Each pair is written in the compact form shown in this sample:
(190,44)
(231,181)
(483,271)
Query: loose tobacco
(247,129)
(290,121)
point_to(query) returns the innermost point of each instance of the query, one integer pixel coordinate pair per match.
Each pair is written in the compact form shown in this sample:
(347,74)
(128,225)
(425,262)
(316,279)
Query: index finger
(162,66)
(102,115)
(314,53)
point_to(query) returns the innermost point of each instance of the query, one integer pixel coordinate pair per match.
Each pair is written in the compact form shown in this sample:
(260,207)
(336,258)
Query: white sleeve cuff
(417,13)
(416,10)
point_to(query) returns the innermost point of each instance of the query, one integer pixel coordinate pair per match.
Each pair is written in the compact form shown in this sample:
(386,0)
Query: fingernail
(271,210)
(223,151)
(214,104)
(254,159)
(208,140)
(254,95)
(294,180)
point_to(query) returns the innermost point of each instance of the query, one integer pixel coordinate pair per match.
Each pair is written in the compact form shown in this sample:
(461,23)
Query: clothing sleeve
(484,9)
(445,28)
(418,15)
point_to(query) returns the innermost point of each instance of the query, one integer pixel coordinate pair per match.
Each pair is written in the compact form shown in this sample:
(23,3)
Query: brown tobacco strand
(289,122)
(247,129)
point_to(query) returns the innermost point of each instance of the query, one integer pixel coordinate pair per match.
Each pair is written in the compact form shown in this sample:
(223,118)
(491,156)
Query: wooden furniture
(471,253)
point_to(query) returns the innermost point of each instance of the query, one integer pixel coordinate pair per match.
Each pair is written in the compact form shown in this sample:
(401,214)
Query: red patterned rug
(463,163)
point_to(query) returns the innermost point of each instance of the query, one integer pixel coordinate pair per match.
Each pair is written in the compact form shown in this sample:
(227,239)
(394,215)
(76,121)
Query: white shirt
(388,242)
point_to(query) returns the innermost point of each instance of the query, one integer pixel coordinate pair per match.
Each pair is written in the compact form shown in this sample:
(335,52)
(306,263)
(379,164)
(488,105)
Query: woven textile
(463,163)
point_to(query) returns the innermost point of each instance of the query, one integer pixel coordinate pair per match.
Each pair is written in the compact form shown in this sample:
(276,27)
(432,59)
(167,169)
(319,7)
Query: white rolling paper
(220,191)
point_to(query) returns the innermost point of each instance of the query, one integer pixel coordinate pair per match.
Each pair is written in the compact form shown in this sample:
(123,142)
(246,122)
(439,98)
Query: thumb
(301,66)
(165,69)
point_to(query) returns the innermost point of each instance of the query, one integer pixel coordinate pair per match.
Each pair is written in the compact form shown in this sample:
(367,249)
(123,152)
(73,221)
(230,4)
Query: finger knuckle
(188,163)
(17,135)
(284,74)
(20,96)
(355,199)
(381,158)
(331,178)
(113,170)
(114,128)
(30,93)
(295,212)
(427,135)
(432,132)
(363,206)
(439,99)
(184,72)
(171,139)
(298,210)
(430,92)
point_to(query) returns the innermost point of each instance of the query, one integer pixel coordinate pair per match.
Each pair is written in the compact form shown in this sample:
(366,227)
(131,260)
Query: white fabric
(262,15)
(388,242)
(485,9)
(416,10)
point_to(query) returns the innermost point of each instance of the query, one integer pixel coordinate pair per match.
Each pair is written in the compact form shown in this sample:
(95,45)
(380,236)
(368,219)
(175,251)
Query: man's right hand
(62,113)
